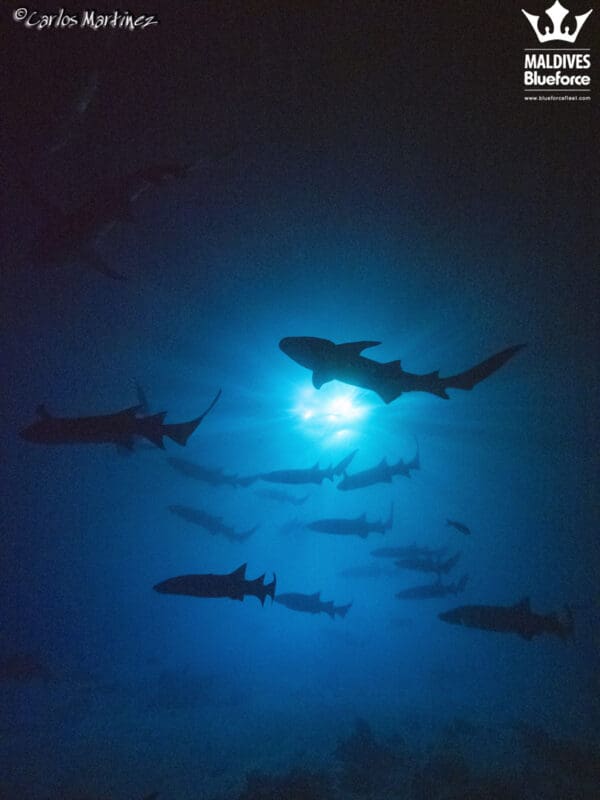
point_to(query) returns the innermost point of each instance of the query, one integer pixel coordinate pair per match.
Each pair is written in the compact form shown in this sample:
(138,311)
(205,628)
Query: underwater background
(359,172)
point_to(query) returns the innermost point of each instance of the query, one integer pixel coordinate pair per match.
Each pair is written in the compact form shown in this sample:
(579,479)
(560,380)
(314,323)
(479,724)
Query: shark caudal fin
(180,432)
(341,611)
(471,377)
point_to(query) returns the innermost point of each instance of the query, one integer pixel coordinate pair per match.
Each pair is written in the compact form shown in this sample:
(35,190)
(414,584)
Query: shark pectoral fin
(320,377)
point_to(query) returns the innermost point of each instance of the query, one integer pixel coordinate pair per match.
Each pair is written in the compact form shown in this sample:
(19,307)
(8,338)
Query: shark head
(308,351)
(44,430)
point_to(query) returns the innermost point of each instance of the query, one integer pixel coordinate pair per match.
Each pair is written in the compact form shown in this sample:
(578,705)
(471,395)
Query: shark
(344,362)
(519,619)
(311,604)
(210,523)
(281,497)
(212,476)
(72,237)
(408,551)
(120,428)
(433,590)
(429,564)
(313,474)
(382,473)
(233,585)
(459,526)
(356,526)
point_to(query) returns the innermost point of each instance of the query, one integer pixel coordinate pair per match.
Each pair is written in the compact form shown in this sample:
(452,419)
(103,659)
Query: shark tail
(269,589)
(341,611)
(180,432)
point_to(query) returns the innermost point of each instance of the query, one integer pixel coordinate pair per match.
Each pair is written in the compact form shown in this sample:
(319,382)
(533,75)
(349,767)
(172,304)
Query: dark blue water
(372,187)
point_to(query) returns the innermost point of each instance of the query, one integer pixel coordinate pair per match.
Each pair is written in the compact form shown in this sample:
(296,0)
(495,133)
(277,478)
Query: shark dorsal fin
(240,572)
(316,595)
(524,604)
(397,364)
(383,462)
(315,466)
(363,516)
(355,348)
(42,411)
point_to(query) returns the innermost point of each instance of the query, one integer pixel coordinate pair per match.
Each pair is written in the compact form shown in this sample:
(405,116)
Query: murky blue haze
(371,187)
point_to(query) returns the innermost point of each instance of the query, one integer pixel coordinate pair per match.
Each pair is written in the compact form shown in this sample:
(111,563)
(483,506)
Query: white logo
(557,13)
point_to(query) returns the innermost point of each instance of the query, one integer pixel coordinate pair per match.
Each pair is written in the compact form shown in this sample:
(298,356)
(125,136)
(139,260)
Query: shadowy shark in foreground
(120,428)
(311,604)
(343,362)
(233,585)
(432,590)
(518,619)
(312,475)
(71,237)
(382,473)
(357,526)
(212,476)
(211,524)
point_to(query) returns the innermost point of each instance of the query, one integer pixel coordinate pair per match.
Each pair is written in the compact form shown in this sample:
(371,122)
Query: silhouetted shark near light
(281,497)
(120,428)
(212,476)
(311,475)
(210,523)
(70,238)
(343,362)
(429,564)
(233,585)
(408,551)
(459,526)
(382,473)
(519,619)
(432,590)
(311,604)
(357,526)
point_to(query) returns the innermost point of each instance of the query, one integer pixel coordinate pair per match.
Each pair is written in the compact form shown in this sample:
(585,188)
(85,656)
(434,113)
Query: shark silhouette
(343,362)
(311,475)
(210,475)
(519,619)
(356,526)
(71,237)
(418,564)
(120,428)
(210,523)
(233,585)
(311,604)
(382,473)
(432,590)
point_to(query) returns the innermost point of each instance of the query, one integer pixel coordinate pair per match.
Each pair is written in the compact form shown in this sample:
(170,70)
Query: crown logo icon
(557,14)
